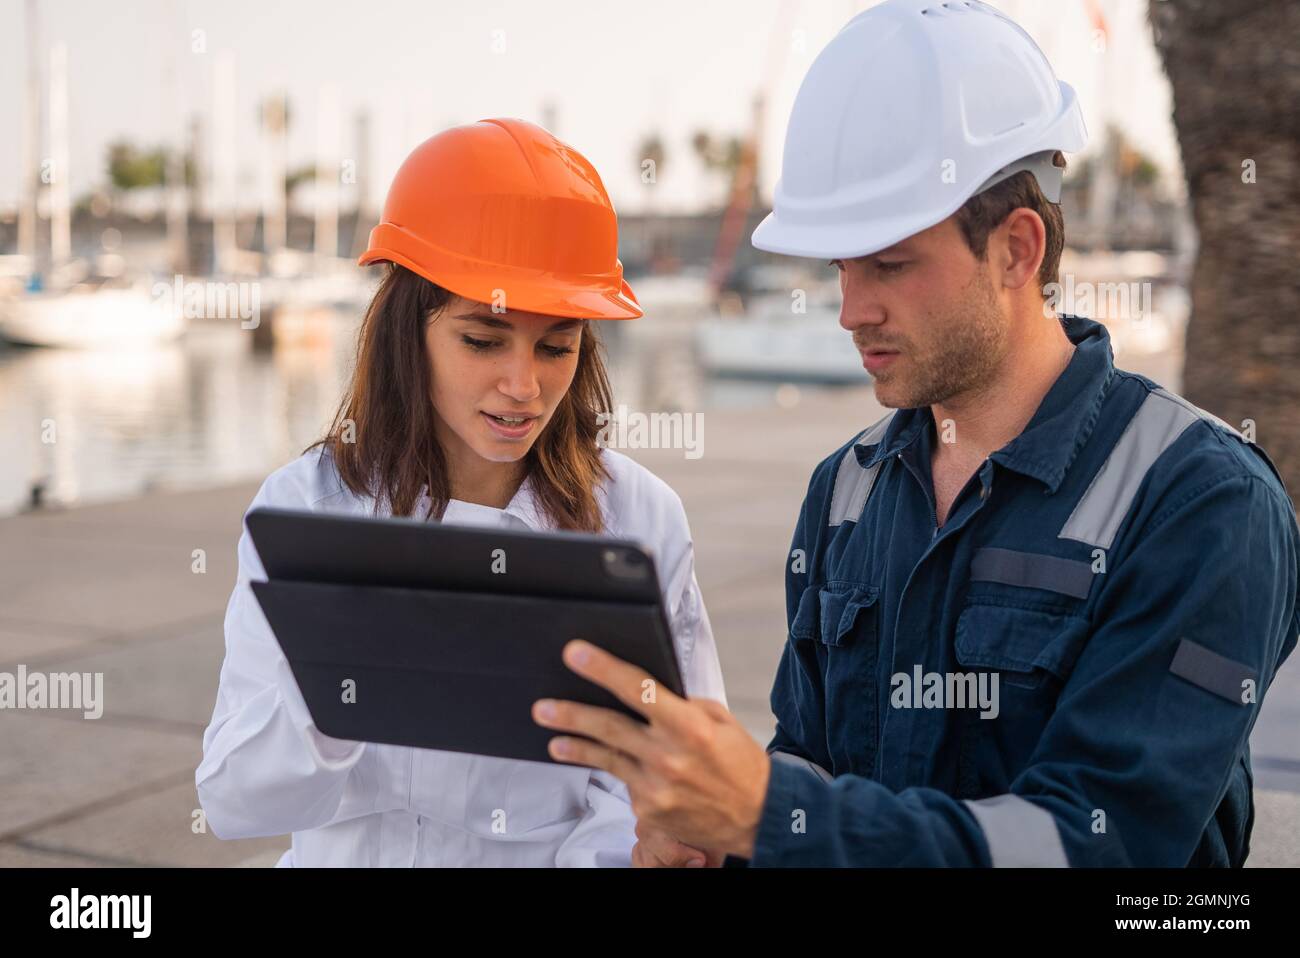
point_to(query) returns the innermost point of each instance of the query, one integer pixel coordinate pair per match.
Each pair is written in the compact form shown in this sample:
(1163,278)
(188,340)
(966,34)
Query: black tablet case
(438,661)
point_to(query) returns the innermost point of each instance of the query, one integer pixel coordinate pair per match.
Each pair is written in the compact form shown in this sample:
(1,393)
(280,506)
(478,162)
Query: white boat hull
(106,318)
(797,348)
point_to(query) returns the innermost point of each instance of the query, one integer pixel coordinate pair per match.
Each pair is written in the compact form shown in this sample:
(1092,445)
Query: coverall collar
(1060,426)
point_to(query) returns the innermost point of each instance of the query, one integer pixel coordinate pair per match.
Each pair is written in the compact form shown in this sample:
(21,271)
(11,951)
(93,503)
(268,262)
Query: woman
(475,400)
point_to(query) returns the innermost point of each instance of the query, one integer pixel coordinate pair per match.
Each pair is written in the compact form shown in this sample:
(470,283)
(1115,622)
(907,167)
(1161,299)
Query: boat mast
(327,180)
(27,211)
(223,197)
(174,187)
(60,205)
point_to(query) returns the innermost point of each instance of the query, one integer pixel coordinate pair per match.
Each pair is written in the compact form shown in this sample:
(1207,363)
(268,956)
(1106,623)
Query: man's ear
(1023,243)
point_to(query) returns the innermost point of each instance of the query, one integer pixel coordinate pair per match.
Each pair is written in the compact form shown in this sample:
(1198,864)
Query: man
(1033,612)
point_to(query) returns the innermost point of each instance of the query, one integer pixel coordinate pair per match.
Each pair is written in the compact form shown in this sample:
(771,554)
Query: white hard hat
(914,107)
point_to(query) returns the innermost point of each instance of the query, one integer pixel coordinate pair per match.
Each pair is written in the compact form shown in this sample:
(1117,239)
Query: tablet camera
(625,564)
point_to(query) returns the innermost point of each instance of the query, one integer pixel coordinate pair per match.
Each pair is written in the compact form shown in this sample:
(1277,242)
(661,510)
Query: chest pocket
(1032,648)
(1031,652)
(847,629)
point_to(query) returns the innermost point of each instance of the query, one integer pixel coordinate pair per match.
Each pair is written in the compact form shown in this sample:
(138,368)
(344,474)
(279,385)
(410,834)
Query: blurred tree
(1233,68)
(656,249)
(722,156)
(1138,174)
(132,168)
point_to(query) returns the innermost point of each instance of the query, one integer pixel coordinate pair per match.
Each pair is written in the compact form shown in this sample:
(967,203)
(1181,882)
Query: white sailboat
(90,315)
(67,306)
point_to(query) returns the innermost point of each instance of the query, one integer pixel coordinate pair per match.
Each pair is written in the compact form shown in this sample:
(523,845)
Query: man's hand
(693,771)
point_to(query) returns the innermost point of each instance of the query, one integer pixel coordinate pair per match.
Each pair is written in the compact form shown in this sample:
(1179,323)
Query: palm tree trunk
(1234,66)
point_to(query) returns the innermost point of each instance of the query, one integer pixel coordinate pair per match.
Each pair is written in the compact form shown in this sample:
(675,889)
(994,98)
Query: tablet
(431,635)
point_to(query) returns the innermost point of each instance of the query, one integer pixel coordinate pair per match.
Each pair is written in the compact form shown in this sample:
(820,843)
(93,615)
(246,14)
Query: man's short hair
(984,212)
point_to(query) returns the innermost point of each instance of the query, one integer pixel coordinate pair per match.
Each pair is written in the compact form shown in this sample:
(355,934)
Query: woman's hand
(657,849)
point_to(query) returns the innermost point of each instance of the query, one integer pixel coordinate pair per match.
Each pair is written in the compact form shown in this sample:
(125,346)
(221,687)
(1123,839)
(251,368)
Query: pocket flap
(804,624)
(1019,639)
(839,611)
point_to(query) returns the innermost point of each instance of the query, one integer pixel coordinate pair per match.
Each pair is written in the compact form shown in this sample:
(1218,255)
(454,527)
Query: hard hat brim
(532,292)
(844,241)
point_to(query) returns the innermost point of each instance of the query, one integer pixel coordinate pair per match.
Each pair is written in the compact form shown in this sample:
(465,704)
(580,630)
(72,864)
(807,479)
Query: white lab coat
(267,770)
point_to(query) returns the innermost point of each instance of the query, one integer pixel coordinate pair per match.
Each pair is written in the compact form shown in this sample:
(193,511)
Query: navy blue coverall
(1125,568)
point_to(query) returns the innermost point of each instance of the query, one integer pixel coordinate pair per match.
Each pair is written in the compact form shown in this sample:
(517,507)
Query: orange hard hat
(500,211)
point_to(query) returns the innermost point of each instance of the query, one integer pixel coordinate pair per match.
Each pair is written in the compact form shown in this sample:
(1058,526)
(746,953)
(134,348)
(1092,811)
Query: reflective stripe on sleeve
(798,761)
(1019,834)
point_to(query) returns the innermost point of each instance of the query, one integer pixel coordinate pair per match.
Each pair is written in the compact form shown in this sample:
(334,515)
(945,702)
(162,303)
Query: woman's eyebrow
(485,320)
(495,323)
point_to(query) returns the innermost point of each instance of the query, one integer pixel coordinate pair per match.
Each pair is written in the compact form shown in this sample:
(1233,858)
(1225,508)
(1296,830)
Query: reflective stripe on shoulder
(1019,834)
(1156,426)
(1201,413)
(852,482)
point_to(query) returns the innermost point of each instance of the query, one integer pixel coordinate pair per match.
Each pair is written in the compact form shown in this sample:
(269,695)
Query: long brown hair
(382,437)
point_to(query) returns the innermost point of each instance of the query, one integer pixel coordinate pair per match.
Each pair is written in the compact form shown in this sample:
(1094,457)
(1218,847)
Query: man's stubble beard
(965,348)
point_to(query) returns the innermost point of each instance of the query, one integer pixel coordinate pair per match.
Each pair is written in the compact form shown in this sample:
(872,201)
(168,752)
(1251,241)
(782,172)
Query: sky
(611,72)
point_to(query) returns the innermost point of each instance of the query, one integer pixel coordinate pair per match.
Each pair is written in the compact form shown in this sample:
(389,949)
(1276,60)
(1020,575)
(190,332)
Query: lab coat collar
(523,510)
(525,507)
